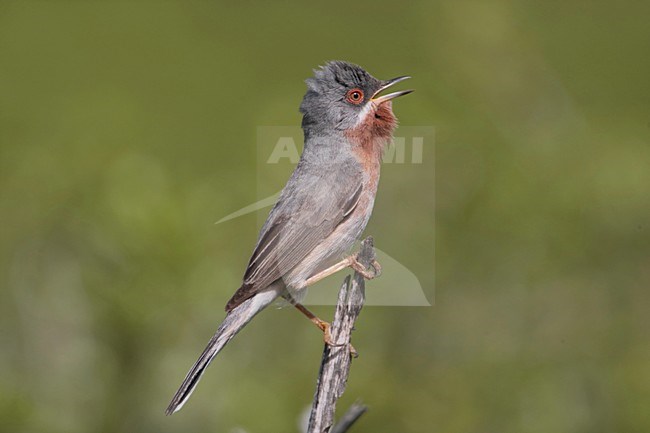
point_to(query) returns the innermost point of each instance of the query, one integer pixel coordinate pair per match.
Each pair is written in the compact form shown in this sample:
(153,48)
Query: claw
(327,334)
(358,267)
(327,337)
(377,267)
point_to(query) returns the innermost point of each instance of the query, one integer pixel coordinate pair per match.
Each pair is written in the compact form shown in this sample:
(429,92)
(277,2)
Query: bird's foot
(323,326)
(367,274)
(327,337)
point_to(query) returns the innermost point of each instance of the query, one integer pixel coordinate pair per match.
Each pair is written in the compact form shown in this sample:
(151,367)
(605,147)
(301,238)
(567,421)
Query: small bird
(322,210)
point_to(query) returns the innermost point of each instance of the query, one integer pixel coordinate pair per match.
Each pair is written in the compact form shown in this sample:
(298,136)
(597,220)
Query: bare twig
(349,418)
(335,364)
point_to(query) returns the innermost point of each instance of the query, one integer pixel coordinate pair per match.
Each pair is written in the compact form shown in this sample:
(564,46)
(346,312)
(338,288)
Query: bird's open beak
(385,85)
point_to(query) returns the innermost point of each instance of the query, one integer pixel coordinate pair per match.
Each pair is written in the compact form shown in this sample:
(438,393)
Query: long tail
(235,320)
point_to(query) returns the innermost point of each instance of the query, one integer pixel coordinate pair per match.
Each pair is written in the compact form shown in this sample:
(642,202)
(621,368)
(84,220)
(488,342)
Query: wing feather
(302,218)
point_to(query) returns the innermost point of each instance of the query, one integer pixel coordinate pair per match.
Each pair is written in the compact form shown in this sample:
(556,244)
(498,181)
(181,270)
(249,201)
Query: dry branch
(335,364)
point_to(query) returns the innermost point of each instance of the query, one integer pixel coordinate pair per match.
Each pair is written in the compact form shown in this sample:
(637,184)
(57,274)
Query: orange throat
(374,133)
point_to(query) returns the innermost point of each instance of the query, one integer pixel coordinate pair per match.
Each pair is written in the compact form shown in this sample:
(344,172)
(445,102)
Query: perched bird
(323,208)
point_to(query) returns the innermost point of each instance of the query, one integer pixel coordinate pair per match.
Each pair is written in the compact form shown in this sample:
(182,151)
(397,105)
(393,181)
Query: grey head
(340,95)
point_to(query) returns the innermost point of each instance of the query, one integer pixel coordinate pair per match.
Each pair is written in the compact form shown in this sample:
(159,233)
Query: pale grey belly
(332,249)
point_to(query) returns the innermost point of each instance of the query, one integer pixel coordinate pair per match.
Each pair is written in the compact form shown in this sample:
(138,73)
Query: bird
(322,210)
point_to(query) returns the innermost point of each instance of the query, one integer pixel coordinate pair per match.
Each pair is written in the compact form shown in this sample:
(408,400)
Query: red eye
(354,96)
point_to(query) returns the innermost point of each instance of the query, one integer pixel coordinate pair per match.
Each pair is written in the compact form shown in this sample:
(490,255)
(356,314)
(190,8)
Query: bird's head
(343,98)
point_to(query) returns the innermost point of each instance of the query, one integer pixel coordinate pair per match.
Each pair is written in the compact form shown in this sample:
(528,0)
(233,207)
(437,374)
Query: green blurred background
(128,129)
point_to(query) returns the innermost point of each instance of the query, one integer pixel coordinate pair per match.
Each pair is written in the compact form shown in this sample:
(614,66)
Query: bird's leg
(322,325)
(327,272)
(350,261)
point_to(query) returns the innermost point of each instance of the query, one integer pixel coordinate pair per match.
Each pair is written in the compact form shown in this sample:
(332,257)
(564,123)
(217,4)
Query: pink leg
(350,261)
